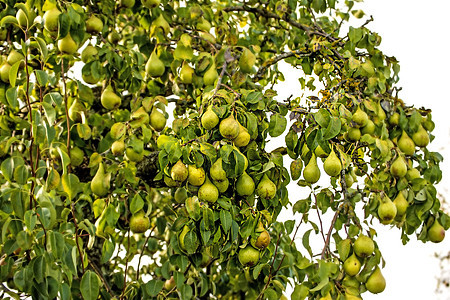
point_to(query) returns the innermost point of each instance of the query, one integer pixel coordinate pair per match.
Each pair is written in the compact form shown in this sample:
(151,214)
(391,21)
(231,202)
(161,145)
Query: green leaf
(136,204)
(270,294)
(11,96)
(343,248)
(153,287)
(277,125)
(41,77)
(107,250)
(9,20)
(90,285)
(70,184)
(333,128)
(43,49)
(355,34)
(185,291)
(305,242)
(225,219)
(55,244)
(13,73)
(322,117)
(300,292)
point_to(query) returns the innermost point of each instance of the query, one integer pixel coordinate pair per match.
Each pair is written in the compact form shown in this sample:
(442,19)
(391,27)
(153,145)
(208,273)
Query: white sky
(416,33)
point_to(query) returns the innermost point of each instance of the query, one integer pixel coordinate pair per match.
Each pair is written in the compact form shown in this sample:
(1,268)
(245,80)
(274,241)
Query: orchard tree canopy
(101,197)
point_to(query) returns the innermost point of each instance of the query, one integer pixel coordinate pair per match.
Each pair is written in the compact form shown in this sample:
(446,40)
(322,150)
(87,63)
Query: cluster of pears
(13,57)
(249,254)
(363,247)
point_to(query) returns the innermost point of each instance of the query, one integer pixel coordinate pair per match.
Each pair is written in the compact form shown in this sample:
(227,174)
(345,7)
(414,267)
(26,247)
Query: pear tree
(134,158)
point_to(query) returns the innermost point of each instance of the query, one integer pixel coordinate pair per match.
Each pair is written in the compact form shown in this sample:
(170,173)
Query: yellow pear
(406,144)
(401,204)
(208,192)
(154,67)
(363,246)
(94,24)
(186,73)
(117,130)
(160,23)
(387,210)
(245,186)
(216,171)
(247,61)
(76,110)
(139,222)
(421,137)
(67,45)
(436,233)
(353,134)
(127,3)
(196,175)
(360,117)
(15,56)
(266,189)
(100,184)
(118,147)
(296,168)
(179,171)
(352,265)
(243,138)
(133,155)
(394,118)
(114,37)
(229,128)
(210,75)
(89,54)
(376,282)
(4,72)
(209,119)
(248,256)
(332,165)
(263,240)
(369,128)
(157,120)
(139,118)
(311,173)
(398,168)
(412,174)
(222,185)
(109,99)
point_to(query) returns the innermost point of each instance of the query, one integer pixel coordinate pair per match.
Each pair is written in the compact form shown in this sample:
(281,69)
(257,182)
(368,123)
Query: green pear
(376,282)
(222,185)
(394,118)
(139,118)
(216,171)
(412,174)
(380,114)
(332,165)
(182,236)
(360,117)
(118,147)
(179,171)
(353,134)
(248,256)
(421,137)
(67,45)
(169,284)
(154,67)
(245,186)
(76,110)
(363,246)
(311,172)
(186,73)
(401,204)
(76,156)
(352,265)
(208,192)
(133,155)
(100,184)
(150,3)
(369,128)
(15,56)
(89,54)
(118,130)
(296,168)
(196,175)
(247,61)
(109,99)
(157,119)
(406,144)
(160,23)
(114,37)
(51,18)
(387,210)
(398,168)
(139,222)
(210,75)
(94,24)
(229,128)
(436,233)
(266,189)
(243,138)
(4,72)
(127,3)
(180,195)
(209,119)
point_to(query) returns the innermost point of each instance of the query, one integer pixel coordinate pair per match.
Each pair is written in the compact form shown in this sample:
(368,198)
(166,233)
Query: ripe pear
(118,147)
(210,75)
(154,67)
(248,256)
(169,284)
(209,119)
(196,175)
(208,192)
(133,155)
(139,118)
(247,61)
(412,174)
(114,37)
(398,168)
(76,156)
(157,120)
(109,99)
(360,117)
(245,186)
(376,282)
(76,110)
(118,130)
(243,137)
(401,204)
(94,24)
(311,173)
(180,195)
(436,233)
(67,45)
(100,184)
(229,128)
(387,211)
(363,246)
(89,54)
(15,56)
(394,119)
(150,3)
(296,168)
(406,144)
(421,137)
(179,171)
(352,265)
(216,171)
(222,185)
(263,240)
(127,3)
(266,189)
(51,19)
(160,23)
(4,72)
(332,165)
(186,73)
(353,134)
(182,236)
(369,128)
(139,222)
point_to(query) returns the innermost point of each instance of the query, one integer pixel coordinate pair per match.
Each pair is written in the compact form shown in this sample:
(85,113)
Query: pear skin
(100,183)
(363,246)
(376,282)
(266,189)
(245,186)
(436,233)
(332,165)
(311,173)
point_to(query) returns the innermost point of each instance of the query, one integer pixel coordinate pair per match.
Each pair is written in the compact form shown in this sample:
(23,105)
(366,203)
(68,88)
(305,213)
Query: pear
(360,117)
(376,282)
(150,3)
(243,137)
(332,165)
(179,171)
(100,184)
(245,186)
(94,24)
(51,19)
(76,156)
(76,110)
(209,119)
(139,118)
(311,173)
(222,185)
(196,175)
(157,120)
(263,240)
(186,73)
(133,155)
(349,180)
(296,168)
(114,37)
(319,152)
(118,130)
(248,256)
(394,118)
(266,189)
(160,23)
(89,54)
(109,99)
(352,265)
(210,75)
(67,45)
(398,168)
(229,128)
(139,222)
(353,134)
(127,3)
(363,246)
(406,144)
(15,56)
(4,72)
(369,128)
(208,192)
(247,61)
(22,18)
(169,284)
(387,211)
(216,171)
(118,147)
(436,233)
(154,67)
(412,174)
(180,195)
(380,114)
(421,137)
(401,204)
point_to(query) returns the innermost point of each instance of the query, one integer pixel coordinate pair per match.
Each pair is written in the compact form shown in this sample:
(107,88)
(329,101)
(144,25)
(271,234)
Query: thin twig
(72,206)
(126,268)
(142,253)
(102,278)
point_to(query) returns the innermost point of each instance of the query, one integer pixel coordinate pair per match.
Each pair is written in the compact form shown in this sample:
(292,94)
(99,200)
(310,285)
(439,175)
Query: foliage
(101,198)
